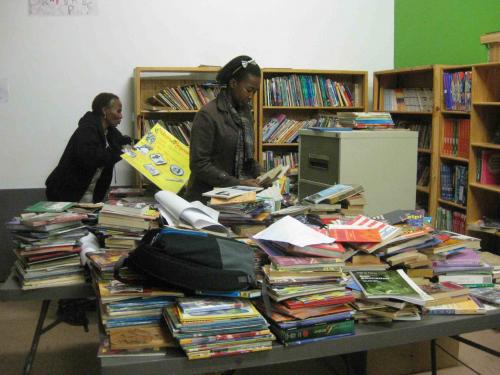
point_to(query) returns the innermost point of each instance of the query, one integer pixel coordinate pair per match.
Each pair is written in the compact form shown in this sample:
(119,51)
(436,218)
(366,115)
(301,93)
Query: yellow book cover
(161,158)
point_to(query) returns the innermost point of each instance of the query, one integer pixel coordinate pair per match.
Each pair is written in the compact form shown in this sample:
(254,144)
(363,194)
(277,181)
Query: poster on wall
(62,7)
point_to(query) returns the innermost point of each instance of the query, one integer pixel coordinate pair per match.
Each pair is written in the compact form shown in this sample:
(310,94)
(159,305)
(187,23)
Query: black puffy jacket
(85,153)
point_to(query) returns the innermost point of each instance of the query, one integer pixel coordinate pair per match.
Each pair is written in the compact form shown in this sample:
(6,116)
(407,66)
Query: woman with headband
(222,137)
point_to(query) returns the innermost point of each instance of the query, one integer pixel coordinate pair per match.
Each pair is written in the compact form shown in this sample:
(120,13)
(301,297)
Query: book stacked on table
(134,311)
(47,247)
(124,224)
(215,327)
(365,120)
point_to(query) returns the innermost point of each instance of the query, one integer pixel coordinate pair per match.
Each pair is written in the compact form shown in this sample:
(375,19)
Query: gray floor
(70,350)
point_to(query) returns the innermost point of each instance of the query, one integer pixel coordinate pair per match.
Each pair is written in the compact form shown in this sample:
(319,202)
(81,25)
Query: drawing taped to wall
(62,7)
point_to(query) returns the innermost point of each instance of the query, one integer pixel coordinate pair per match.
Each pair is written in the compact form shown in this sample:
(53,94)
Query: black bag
(192,260)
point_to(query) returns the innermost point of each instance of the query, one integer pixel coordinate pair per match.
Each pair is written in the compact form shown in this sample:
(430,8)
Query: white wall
(56,65)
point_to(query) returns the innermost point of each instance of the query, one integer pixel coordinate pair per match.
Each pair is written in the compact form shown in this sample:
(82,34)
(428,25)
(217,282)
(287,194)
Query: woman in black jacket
(86,167)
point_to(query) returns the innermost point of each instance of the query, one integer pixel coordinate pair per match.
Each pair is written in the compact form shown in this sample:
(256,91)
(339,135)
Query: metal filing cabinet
(383,161)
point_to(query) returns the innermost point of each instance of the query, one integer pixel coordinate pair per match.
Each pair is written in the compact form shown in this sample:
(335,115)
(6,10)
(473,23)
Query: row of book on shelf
(408,99)
(424,132)
(319,279)
(282,129)
(423,170)
(452,220)
(456,137)
(454,183)
(185,97)
(310,91)
(457,87)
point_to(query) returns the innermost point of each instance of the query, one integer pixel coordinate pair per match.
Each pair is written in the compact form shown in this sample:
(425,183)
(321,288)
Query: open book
(176,211)
(273,174)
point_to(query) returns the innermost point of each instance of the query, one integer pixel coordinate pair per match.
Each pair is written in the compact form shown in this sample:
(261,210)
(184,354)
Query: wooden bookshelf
(420,77)
(484,198)
(148,81)
(357,81)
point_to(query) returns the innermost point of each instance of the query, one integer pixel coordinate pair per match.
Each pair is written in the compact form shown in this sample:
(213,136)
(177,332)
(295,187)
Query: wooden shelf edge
(423,189)
(493,146)
(453,204)
(451,112)
(169,112)
(493,188)
(486,104)
(404,112)
(424,150)
(280,144)
(309,108)
(454,158)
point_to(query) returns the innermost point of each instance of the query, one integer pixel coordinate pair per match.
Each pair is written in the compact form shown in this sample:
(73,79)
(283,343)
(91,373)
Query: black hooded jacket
(85,153)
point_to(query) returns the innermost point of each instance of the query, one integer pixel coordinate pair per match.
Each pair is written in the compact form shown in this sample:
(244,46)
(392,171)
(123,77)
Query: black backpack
(191,260)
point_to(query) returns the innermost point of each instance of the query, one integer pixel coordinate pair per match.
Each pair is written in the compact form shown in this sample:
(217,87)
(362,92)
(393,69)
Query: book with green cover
(47,206)
(390,284)
(335,328)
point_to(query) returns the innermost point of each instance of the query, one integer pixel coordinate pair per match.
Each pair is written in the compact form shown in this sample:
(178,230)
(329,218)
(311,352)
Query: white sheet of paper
(294,232)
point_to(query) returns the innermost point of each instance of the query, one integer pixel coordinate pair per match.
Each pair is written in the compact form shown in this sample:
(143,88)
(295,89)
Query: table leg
(433,357)
(36,338)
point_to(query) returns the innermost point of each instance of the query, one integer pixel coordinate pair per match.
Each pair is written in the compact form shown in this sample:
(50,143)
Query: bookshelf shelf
(493,188)
(451,203)
(463,113)
(280,144)
(483,197)
(424,150)
(421,114)
(423,189)
(300,95)
(308,108)
(486,104)
(148,112)
(493,146)
(454,158)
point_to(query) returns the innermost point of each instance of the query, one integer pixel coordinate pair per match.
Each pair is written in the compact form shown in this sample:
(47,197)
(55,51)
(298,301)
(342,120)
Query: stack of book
(309,299)
(188,97)
(47,248)
(354,205)
(271,159)
(215,327)
(408,100)
(365,120)
(134,311)
(124,226)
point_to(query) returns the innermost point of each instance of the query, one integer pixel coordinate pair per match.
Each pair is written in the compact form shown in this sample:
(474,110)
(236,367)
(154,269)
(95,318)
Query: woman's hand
(250,182)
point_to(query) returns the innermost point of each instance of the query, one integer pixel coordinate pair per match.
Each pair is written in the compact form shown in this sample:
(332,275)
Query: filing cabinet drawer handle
(318,161)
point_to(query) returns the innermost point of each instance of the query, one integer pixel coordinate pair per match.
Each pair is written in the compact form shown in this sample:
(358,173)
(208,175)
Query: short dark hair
(102,100)
(238,68)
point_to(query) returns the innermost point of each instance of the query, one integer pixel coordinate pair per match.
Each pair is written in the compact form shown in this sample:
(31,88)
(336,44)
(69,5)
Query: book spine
(319,330)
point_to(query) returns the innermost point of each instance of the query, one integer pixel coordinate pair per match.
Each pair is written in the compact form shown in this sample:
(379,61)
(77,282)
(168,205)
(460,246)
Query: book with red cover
(330,299)
(356,235)
(490,167)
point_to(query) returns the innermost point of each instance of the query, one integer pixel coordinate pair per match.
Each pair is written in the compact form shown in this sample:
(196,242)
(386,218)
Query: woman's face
(243,91)
(113,114)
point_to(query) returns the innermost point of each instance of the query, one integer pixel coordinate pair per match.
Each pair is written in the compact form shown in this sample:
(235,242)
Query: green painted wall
(442,31)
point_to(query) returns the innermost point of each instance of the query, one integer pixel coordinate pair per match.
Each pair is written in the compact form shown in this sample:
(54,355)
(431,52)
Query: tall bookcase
(296,92)
(149,81)
(484,198)
(412,97)
(454,143)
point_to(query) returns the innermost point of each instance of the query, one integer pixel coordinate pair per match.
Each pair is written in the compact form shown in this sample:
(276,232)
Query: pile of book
(365,120)
(309,91)
(188,97)
(215,327)
(47,247)
(123,226)
(133,311)
(408,99)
